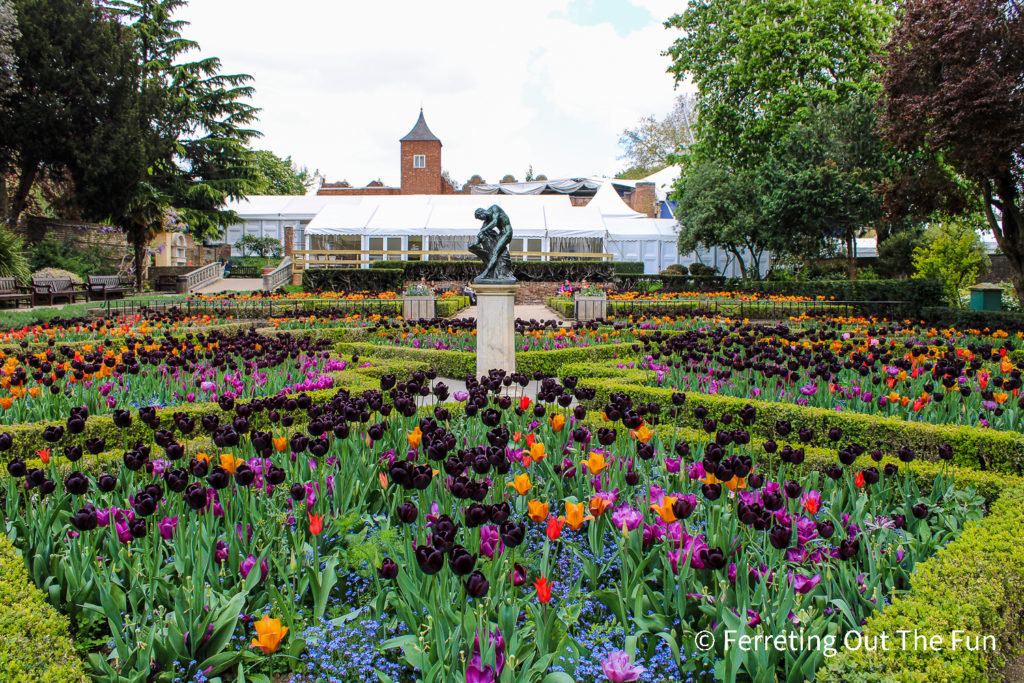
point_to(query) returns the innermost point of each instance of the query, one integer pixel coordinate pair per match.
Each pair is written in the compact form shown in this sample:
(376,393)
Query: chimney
(645,200)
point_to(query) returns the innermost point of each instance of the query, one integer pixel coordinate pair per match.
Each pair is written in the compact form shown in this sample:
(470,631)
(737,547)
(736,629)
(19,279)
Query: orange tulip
(269,632)
(280,444)
(316,523)
(204,456)
(537,452)
(230,462)
(521,484)
(598,506)
(574,515)
(414,437)
(595,463)
(557,422)
(665,509)
(643,435)
(44,455)
(33,392)
(537,511)
(6,402)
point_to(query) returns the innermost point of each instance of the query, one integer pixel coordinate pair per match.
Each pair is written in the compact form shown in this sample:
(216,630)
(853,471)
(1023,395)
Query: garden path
(523,312)
(232,284)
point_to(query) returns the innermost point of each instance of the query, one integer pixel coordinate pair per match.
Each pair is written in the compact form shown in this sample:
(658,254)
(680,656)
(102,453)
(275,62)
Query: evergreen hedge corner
(352,280)
(35,645)
(974,585)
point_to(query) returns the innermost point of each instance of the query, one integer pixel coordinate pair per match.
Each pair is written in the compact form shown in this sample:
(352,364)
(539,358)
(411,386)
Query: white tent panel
(610,204)
(565,220)
(399,216)
(640,228)
(342,219)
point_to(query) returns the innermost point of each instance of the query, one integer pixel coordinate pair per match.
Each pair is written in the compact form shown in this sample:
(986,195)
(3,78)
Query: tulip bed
(382,527)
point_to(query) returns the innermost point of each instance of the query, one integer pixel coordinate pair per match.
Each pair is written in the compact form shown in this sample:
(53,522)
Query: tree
(759,64)
(181,142)
(953,255)
(954,87)
(652,142)
(822,180)
(8,59)
(719,207)
(72,60)
(261,247)
(277,176)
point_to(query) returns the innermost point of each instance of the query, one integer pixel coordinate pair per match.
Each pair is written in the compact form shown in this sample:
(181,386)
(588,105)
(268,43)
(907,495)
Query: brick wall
(110,241)
(422,180)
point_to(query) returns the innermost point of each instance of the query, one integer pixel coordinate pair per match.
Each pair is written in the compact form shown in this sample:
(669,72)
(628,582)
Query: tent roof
(610,204)
(624,229)
(342,219)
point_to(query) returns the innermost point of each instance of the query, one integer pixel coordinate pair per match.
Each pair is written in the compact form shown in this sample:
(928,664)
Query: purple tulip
(805,584)
(627,517)
(460,395)
(167,526)
(618,668)
(248,563)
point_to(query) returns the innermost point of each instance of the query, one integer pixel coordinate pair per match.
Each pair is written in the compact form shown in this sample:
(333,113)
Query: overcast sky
(550,83)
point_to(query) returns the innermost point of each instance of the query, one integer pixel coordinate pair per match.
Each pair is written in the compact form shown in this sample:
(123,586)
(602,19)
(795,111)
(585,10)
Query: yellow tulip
(537,452)
(595,463)
(574,515)
(557,422)
(414,437)
(521,484)
(665,509)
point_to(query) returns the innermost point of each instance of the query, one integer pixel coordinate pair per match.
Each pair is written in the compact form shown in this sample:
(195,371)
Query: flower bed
(275,538)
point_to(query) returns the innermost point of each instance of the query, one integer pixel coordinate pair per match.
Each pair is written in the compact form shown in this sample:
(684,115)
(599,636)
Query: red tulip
(543,589)
(316,524)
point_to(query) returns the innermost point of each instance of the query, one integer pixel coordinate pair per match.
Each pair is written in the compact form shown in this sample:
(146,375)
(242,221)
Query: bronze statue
(491,245)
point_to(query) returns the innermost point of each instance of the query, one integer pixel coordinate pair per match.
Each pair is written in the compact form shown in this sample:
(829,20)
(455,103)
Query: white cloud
(502,85)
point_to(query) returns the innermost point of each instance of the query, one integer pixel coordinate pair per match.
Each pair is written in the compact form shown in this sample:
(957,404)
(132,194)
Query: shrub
(967,319)
(954,255)
(72,257)
(35,646)
(629,267)
(58,272)
(916,294)
(676,269)
(701,270)
(261,247)
(524,271)
(352,279)
(12,257)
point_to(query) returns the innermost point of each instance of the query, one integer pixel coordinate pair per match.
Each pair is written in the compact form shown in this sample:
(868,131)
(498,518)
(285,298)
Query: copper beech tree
(954,88)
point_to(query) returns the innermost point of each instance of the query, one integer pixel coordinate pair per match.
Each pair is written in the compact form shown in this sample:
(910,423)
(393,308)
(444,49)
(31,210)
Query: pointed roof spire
(420,132)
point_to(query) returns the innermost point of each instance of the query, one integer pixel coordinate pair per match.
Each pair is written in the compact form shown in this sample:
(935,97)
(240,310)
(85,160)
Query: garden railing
(279,277)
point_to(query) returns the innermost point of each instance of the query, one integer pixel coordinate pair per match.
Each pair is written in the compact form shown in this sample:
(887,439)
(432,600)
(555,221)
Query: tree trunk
(851,256)
(29,170)
(141,247)
(739,260)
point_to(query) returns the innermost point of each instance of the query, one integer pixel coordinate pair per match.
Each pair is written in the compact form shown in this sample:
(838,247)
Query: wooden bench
(46,290)
(10,291)
(109,287)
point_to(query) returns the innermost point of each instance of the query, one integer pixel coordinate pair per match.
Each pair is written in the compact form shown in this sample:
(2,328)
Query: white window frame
(419,160)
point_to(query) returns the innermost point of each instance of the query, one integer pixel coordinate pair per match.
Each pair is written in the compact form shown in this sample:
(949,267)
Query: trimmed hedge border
(973,446)
(36,645)
(974,585)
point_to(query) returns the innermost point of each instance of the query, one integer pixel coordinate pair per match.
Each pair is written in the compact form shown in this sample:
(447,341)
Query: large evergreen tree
(181,143)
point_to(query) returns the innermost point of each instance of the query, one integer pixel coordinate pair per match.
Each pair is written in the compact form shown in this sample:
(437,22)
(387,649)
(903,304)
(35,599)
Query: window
(415,244)
(419,160)
(519,245)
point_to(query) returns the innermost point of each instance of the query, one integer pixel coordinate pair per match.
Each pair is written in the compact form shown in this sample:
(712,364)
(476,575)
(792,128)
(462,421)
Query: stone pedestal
(495,327)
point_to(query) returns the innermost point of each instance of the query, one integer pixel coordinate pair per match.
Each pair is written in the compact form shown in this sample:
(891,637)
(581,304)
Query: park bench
(109,286)
(49,289)
(10,291)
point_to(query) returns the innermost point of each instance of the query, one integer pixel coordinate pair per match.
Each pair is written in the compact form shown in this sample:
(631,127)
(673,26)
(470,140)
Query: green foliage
(83,262)
(953,255)
(649,146)
(451,305)
(916,294)
(722,207)
(12,257)
(352,280)
(525,271)
(896,254)
(276,176)
(36,645)
(8,61)
(968,319)
(758,65)
(975,585)
(628,267)
(261,247)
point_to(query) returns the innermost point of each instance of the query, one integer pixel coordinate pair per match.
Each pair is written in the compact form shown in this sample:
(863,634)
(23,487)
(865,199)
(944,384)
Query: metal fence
(254,308)
(764,310)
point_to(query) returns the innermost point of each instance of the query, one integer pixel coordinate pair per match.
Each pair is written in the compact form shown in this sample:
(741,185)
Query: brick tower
(421,161)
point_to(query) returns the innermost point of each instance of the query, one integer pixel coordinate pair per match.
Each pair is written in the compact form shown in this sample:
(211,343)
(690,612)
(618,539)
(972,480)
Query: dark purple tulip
(780,537)
(826,529)
(899,521)
(195,496)
(476,515)
(835,433)
(73,453)
(792,488)
(805,434)
(772,500)
(16,467)
(47,487)
(430,560)
(833,471)
(920,511)
(199,468)
(783,427)
(683,507)
(137,527)
(54,433)
(144,505)
(275,475)
(298,491)
(632,477)
(870,475)
(85,519)
(461,561)
(76,484)
(218,478)
(848,548)
(133,460)
(244,475)
(711,491)
(945,452)
(513,535)
(712,558)
(905,453)
(500,513)
(606,436)
(770,446)
(407,512)
(476,585)
(6,441)
(388,569)
(106,483)
(755,481)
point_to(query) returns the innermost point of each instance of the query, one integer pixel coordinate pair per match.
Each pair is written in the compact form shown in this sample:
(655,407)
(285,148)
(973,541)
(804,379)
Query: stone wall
(84,236)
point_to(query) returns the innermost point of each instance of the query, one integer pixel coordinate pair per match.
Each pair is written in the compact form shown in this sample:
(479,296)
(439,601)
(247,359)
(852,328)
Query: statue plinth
(495,326)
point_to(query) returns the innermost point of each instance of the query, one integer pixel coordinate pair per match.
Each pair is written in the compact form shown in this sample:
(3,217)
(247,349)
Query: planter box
(591,308)
(416,307)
